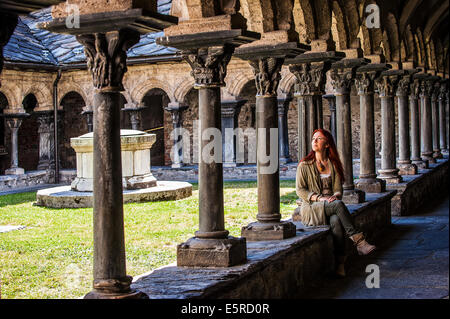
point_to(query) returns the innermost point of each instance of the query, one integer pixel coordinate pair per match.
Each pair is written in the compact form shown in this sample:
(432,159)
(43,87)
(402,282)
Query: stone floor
(413,261)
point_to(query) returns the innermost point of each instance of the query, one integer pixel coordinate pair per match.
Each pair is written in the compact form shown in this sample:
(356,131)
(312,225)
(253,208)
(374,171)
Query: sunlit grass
(52,256)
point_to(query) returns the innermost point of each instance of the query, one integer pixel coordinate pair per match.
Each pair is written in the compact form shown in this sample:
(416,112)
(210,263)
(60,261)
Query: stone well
(139,184)
(135,149)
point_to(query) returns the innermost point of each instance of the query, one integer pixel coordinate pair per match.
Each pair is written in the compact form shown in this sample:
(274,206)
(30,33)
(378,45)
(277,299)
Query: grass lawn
(52,256)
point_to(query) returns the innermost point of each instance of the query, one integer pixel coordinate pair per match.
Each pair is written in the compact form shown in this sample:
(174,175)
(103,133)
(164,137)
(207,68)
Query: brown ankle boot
(340,266)
(362,246)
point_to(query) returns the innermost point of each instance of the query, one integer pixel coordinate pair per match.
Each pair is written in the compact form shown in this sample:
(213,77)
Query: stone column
(230,112)
(46,141)
(443,142)
(404,161)
(266,62)
(106,60)
(342,75)
(364,82)
(13,121)
(89,113)
(386,88)
(176,109)
(426,133)
(435,120)
(211,245)
(332,106)
(415,123)
(283,136)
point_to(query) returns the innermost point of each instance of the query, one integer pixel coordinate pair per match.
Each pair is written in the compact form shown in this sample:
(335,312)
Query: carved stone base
(229,164)
(114,289)
(371,185)
(284,160)
(407,169)
(354,196)
(390,176)
(14,171)
(437,154)
(129,295)
(420,164)
(226,252)
(257,231)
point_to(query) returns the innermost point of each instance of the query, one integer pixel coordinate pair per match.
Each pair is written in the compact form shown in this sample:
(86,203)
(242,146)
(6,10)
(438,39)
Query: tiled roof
(30,44)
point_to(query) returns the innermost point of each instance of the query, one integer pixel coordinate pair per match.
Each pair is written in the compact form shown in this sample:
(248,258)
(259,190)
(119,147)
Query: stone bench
(274,269)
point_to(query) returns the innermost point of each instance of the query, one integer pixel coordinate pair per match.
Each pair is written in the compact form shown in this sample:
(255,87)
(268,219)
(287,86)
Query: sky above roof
(30,44)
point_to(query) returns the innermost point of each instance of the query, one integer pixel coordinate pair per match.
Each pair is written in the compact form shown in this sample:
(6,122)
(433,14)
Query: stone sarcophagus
(135,150)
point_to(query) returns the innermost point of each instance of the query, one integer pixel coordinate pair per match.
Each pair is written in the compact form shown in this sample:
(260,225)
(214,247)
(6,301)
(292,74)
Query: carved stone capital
(267,75)
(209,65)
(106,55)
(341,80)
(364,83)
(385,85)
(443,91)
(46,123)
(310,78)
(403,86)
(426,88)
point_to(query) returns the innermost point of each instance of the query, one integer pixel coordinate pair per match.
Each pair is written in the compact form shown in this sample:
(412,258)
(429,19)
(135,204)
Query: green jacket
(308,183)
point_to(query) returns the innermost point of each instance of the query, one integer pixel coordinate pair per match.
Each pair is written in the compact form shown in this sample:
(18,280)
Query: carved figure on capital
(267,75)
(364,82)
(403,86)
(209,65)
(414,89)
(341,80)
(385,85)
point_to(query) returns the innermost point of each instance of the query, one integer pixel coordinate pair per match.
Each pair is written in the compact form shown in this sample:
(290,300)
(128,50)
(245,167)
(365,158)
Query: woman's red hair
(332,153)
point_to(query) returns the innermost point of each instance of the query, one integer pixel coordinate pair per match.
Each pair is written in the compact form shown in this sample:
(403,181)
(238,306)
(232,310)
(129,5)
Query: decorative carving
(267,75)
(106,55)
(443,91)
(341,80)
(426,88)
(209,65)
(403,86)
(309,78)
(414,89)
(385,85)
(364,83)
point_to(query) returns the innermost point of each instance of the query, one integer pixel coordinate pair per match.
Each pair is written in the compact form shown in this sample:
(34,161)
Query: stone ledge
(30,178)
(274,269)
(413,193)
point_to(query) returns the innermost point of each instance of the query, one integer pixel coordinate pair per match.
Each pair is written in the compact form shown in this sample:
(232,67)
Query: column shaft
(442,119)
(435,121)
(426,123)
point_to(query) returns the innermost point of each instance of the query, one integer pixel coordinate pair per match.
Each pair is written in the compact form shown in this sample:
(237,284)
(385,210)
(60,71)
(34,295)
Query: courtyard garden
(52,256)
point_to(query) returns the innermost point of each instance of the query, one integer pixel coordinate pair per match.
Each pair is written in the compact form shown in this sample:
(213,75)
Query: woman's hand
(331,198)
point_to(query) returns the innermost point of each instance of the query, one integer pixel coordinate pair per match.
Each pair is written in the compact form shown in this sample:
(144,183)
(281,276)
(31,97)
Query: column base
(226,252)
(177,165)
(420,164)
(390,176)
(428,157)
(15,171)
(258,231)
(114,289)
(407,169)
(139,182)
(371,185)
(437,154)
(353,196)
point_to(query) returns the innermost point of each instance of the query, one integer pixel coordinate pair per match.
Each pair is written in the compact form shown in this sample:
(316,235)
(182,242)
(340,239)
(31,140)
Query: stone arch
(353,22)
(183,89)
(338,28)
(238,82)
(421,48)
(286,83)
(259,15)
(304,22)
(431,57)
(140,91)
(392,37)
(9,96)
(410,45)
(43,95)
(72,87)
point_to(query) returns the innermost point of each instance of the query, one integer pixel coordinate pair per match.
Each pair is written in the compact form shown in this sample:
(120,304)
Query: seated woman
(319,185)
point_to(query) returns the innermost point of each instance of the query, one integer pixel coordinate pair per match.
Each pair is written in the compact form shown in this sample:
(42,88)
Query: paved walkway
(413,261)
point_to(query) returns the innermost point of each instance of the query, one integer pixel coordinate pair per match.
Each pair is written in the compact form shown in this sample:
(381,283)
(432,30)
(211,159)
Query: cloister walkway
(413,261)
